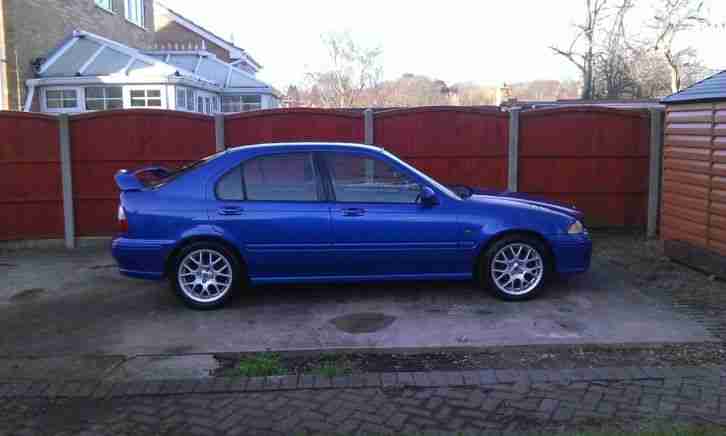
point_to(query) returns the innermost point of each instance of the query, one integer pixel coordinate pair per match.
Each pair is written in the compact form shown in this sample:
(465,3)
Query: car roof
(305,146)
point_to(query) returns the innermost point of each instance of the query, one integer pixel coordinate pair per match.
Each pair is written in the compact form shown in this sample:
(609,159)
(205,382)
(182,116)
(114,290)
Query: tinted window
(358,178)
(229,187)
(283,177)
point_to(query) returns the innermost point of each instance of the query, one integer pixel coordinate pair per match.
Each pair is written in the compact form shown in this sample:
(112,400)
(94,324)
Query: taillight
(123,224)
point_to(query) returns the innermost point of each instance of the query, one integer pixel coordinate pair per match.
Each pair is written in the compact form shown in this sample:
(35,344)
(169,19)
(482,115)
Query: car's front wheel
(515,267)
(205,275)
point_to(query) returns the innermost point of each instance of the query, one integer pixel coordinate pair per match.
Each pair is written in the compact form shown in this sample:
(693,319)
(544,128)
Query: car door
(274,205)
(380,228)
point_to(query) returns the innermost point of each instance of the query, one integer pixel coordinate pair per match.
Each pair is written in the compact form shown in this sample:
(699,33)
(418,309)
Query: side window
(282,177)
(362,179)
(229,187)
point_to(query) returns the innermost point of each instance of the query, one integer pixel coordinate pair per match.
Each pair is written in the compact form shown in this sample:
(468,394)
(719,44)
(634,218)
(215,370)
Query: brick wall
(34,27)
(169,31)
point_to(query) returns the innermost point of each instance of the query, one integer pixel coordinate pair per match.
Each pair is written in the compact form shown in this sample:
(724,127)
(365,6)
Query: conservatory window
(104,97)
(61,100)
(181,98)
(145,97)
(190,99)
(241,103)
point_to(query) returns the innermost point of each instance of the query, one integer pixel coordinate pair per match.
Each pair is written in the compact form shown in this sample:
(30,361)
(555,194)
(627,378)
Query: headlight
(576,228)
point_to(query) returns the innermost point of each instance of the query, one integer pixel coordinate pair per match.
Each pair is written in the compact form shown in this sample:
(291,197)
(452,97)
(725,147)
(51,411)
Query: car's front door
(275,207)
(380,226)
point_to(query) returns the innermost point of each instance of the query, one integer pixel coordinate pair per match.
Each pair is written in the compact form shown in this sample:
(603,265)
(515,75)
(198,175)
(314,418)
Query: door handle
(354,211)
(230,210)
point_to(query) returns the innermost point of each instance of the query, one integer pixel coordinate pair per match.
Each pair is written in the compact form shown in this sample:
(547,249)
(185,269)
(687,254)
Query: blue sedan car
(322,212)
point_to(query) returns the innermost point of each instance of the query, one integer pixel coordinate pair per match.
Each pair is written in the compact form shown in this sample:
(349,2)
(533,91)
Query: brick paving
(473,402)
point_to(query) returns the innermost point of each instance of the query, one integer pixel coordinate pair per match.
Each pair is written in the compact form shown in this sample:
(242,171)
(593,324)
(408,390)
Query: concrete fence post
(513,151)
(69,229)
(654,178)
(368,126)
(219,143)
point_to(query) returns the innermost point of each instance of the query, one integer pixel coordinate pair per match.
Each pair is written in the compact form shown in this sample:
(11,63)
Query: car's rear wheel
(515,267)
(205,274)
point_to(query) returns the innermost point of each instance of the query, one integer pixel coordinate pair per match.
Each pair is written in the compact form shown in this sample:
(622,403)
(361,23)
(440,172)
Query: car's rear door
(274,204)
(379,226)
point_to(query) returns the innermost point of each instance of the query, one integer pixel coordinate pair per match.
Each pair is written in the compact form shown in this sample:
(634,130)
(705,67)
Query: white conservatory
(88,73)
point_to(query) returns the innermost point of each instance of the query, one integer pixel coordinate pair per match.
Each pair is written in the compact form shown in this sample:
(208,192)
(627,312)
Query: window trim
(318,176)
(331,188)
(80,100)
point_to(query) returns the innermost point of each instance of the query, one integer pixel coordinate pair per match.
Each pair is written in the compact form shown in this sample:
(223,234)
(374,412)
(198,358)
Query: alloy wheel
(517,268)
(205,275)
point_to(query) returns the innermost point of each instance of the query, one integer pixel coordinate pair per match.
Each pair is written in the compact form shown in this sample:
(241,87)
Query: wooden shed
(693,209)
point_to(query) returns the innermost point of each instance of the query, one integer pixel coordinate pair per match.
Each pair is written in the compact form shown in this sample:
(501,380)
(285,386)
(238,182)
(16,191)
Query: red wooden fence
(451,144)
(594,158)
(30,177)
(286,125)
(104,142)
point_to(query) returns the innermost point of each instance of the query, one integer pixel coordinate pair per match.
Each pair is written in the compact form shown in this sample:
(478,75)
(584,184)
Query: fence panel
(104,142)
(593,158)
(293,125)
(31,200)
(455,145)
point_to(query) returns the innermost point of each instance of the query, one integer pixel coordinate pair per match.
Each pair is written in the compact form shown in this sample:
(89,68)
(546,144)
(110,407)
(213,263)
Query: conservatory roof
(210,67)
(85,54)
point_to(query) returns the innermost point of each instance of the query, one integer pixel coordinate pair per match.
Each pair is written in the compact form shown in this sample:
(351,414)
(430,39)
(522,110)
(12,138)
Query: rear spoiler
(129,181)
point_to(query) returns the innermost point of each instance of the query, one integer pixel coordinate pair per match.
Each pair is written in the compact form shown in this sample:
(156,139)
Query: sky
(482,41)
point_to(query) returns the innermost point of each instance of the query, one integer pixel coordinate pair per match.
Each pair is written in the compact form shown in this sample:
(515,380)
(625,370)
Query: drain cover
(366,322)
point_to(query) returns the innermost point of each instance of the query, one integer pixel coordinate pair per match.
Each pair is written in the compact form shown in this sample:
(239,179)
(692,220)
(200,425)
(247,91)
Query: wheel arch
(509,232)
(169,262)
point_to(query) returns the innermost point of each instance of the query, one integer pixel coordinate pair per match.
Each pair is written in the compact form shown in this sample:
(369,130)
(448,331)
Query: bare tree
(354,69)
(673,18)
(613,76)
(581,51)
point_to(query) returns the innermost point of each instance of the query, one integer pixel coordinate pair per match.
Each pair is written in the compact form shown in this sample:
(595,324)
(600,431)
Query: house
(89,72)
(105,54)
(173,30)
(30,29)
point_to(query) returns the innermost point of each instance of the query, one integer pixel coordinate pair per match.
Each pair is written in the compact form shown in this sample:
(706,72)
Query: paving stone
(405,379)
(487,377)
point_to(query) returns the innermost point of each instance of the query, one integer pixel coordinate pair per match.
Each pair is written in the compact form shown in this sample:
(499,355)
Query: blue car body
(323,241)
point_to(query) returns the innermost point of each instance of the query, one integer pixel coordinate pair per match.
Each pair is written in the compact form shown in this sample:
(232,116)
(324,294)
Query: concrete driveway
(54,302)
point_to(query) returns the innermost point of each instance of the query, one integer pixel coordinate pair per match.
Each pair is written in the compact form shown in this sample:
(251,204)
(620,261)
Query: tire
(506,256)
(207,287)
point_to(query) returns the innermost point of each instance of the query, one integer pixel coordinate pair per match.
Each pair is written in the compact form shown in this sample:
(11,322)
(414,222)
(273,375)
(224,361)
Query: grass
(657,431)
(260,365)
(331,365)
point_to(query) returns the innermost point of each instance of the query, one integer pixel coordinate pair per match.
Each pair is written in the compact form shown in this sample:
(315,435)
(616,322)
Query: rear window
(157,179)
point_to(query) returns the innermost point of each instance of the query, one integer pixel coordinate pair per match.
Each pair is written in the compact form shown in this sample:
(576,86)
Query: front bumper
(140,258)
(572,253)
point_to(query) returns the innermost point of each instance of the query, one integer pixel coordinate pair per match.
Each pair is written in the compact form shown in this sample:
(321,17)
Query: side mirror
(428,197)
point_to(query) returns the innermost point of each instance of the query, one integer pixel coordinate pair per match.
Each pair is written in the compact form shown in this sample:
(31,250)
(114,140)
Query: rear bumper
(144,259)
(572,253)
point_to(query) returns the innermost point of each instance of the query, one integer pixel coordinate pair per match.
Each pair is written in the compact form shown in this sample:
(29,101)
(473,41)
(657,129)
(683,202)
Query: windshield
(448,192)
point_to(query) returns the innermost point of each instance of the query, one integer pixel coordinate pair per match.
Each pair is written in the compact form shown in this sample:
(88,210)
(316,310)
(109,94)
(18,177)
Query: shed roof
(709,89)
